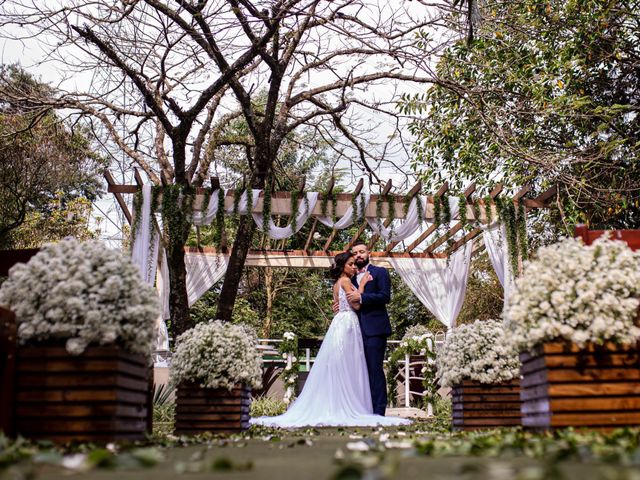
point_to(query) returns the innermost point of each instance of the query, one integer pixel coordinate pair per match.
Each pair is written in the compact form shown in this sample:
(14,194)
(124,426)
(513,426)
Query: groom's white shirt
(359,277)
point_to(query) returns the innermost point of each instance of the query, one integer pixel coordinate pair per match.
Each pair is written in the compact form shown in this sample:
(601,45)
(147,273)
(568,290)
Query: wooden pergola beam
(521,193)
(476,231)
(441,191)
(118,196)
(302,259)
(542,200)
(458,226)
(137,177)
(281,205)
(334,232)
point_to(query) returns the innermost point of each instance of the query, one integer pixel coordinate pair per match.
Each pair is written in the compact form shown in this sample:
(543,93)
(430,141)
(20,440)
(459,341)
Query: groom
(374,321)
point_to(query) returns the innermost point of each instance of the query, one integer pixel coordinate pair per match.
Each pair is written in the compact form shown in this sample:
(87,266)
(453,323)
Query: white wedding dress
(336,392)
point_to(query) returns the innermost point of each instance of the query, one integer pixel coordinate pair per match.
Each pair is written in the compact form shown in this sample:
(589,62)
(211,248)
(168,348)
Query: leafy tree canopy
(547,92)
(44,163)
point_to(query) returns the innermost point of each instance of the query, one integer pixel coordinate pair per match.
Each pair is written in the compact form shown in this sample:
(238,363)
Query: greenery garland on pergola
(441,239)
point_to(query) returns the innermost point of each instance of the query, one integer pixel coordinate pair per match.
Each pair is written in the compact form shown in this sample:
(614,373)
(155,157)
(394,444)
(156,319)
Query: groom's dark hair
(360,242)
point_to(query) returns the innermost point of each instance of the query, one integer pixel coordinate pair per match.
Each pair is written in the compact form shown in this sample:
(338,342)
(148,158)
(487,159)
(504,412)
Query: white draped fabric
(347,219)
(207,217)
(454,208)
(279,233)
(407,228)
(203,271)
(495,239)
(439,286)
(144,253)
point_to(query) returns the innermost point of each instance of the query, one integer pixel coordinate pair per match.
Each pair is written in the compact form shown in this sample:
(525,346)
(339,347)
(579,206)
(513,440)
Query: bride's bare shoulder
(346,284)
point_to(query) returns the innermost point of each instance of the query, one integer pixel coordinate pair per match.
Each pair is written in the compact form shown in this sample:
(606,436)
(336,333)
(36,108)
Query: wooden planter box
(477,405)
(215,410)
(99,396)
(598,387)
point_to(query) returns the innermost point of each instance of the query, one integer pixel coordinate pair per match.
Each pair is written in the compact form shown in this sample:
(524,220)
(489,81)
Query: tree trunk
(178,300)
(235,267)
(242,243)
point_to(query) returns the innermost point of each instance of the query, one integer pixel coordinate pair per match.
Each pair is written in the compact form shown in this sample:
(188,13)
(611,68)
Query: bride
(336,392)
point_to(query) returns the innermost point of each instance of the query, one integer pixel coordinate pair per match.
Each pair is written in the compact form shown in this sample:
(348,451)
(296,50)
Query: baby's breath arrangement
(82,293)
(577,293)
(480,351)
(217,354)
(415,331)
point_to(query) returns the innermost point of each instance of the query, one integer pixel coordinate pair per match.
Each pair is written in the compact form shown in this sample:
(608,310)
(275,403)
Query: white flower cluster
(217,354)
(416,331)
(480,351)
(289,350)
(83,293)
(577,293)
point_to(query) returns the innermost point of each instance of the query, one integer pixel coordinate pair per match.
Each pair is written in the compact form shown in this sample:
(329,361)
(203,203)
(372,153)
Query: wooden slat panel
(8,349)
(57,381)
(93,352)
(109,395)
(211,408)
(512,397)
(579,404)
(564,348)
(486,414)
(67,410)
(97,366)
(477,423)
(595,386)
(470,405)
(594,389)
(36,428)
(595,419)
(476,405)
(206,409)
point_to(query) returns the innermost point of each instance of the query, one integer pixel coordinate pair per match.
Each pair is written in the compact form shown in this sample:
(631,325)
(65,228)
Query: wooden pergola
(422,247)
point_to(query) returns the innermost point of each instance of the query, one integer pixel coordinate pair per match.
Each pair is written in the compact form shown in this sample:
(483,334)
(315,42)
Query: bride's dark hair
(339,261)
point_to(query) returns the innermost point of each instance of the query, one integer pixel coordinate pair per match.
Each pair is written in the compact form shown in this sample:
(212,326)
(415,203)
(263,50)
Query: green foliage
(220,219)
(267,407)
(483,297)
(413,346)
(442,414)
(44,163)
(548,92)
(177,207)
(162,393)
(266,207)
(61,218)
(405,310)
(205,309)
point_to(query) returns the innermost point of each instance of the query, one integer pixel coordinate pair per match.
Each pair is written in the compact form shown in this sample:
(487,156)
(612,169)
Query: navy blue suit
(375,327)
